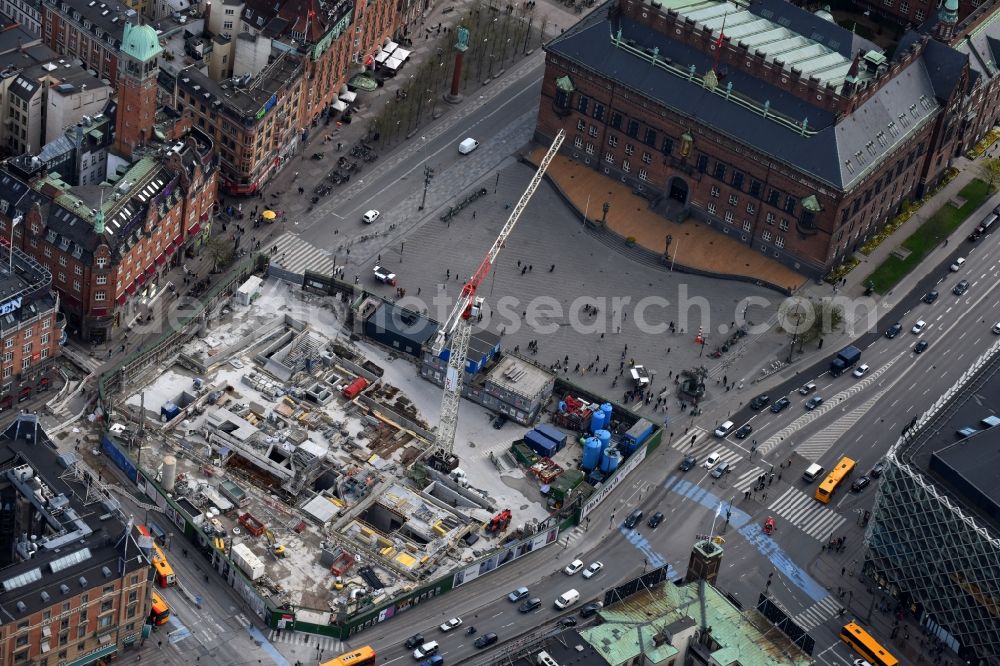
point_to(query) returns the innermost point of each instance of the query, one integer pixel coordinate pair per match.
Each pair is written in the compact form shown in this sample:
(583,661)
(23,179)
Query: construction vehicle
(456,331)
(499,522)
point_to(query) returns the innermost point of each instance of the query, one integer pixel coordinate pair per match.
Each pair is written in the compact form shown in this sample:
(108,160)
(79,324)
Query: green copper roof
(140,42)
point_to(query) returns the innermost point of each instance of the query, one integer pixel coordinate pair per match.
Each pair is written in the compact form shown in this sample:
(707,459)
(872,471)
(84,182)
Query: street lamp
(666,253)
(605,208)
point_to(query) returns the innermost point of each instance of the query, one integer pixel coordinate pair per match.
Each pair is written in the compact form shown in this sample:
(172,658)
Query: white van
(813,472)
(567,598)
(467,146)
(425,650)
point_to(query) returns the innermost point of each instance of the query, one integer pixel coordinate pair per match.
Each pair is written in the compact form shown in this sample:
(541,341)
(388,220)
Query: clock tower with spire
(137,70)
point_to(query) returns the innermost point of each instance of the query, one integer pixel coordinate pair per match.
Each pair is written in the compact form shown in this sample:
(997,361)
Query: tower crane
(456,330)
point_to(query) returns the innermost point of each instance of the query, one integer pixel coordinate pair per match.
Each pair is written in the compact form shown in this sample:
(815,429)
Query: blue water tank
(591,454)
(605,437)
(606,408)
(597,421)
(610,460)
(562,406)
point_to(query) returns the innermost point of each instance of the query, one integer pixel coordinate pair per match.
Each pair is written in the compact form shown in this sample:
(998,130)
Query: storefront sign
(13,305)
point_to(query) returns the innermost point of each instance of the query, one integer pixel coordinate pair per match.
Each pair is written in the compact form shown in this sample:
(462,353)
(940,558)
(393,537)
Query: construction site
(326,475)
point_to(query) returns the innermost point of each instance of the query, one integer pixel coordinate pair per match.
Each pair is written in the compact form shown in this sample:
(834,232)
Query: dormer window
(101,262)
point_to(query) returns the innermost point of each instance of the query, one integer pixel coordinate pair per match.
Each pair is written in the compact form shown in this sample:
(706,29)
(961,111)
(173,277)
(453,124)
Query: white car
(958,264)
(711,460)
(370,216)
(724,429)
(451,624)
(593,569)
(918,327)
(861,370)
(384,276)
(573,567)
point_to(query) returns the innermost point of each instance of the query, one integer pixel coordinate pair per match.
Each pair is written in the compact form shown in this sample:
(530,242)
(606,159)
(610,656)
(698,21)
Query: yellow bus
(866,646)
(160,612)
(833,480)
(165,576)
(363,656)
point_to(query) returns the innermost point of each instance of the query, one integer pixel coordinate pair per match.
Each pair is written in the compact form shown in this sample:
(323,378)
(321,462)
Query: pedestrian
(529,268)
(473,215)
(843,570)
(518,263)
(552,268)
(447,273)
(524,269)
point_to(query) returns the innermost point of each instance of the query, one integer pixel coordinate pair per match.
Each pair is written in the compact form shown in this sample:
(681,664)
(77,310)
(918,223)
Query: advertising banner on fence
(612,483)
(508,554)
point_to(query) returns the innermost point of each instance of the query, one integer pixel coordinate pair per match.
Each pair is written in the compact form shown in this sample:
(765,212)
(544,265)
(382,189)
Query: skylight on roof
(70,560)
(21,580)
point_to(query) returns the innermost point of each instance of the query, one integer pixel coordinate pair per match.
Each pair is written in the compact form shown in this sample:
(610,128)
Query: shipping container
(355,387)
(540,444)
(553,433)
(638,434)
(247,562)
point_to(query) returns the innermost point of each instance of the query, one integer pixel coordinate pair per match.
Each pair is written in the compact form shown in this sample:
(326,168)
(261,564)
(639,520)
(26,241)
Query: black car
(877,470)
(930,296)
(961,287)
(974,236)
(591,609)
(860,483)
(780,404)
(486,640)
(568,622)
(760,402)
(633,518)
(744,431)
(499,421)
(655,520)
(530,605)
(413,641)
(920,347)
(687,464)
(893,330)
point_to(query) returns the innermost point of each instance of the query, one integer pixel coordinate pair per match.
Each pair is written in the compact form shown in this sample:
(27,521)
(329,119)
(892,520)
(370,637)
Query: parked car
(530,604)
(814,402)
(920,347)
(573,567)
(860,483)
(893,330)
(413,641)
(655,520)
(687,464)
(930,296)
(518,594)
(760,402)
(451,624)
(486,640)
(744,431)
(593,569)
(780,404)
(961,287)
(499,421)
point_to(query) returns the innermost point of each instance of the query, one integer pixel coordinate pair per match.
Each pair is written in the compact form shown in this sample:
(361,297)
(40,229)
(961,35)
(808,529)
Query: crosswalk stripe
(300,638)
(748,479)
(296,255)
(818,613)
(801,511)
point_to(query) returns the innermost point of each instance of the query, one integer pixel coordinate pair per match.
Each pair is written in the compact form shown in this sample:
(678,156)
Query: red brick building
(786,132)
(90,31)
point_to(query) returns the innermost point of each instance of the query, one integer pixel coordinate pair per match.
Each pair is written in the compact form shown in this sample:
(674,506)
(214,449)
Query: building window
(580,125)
(77,270)
(751,208)
(703,163)
(746,225)
(629,149)
(616,120)
(772,197)
(582,104)
(754,188)
(887,3)
(62,276)
(650,139)
(100,295)
(7,372)
(592,131)
(720,170)
(729,216)
(47,251)
(27,334)
(612,140)
(609,157)
(26,349)
(643,174)
(626,166)
(578,142)
(102,262)
(598,112)
(227,25)
(734,199)
(766,236)
(770,218)
(737,180)
(919,15)
(590,148)
(105,620)
(904,7)
(779,241)
(646,158)
(790,204)
(8,343)
(784,224)
(25,362)
(62,260)
(711,207)
(633,129)
(668,146)
(76,285)
(714,192)
(44,339)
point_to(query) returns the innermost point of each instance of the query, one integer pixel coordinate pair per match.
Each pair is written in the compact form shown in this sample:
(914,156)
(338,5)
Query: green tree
(990,169)
(220,250)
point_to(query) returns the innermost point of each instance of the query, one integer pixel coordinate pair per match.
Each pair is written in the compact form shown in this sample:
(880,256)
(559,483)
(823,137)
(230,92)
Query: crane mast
(457,328)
